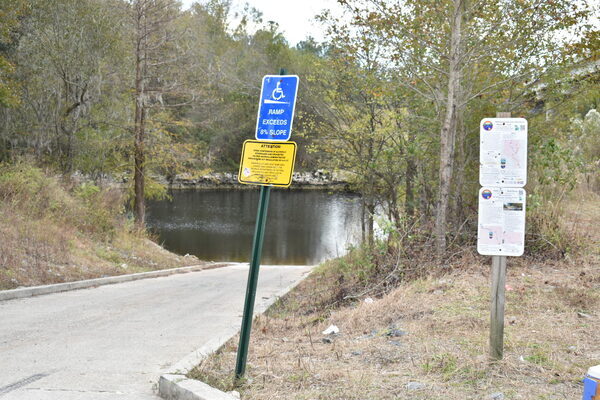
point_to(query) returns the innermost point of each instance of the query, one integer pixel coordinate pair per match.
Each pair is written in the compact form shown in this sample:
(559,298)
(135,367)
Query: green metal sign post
(257,244)
(259,234)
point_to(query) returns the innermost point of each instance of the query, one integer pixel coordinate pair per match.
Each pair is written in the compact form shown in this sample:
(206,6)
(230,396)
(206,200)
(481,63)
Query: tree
(454,52)
(10,12)
(153,44)
(349,92)
(60,68)
(226,73)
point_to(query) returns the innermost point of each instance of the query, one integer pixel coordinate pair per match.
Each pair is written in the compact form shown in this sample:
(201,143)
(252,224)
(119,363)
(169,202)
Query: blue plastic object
(590,388)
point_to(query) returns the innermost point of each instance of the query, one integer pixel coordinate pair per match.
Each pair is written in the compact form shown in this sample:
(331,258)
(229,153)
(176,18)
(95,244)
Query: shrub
(102,209)
(34,194)
(27,190)
(547,235)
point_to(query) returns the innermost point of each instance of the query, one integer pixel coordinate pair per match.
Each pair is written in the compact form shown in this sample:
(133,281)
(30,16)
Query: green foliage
(102,209)
(546,236)
(539,355)
(433,57)
(562,155)
(371,102)
(586,140)
(87,191)
(445,364)
(63,62)
(153,190)
(351,274)
(10,13)
(358,268)
(8,97)
(37,195)
(372,270)
(40,196)
(555,164)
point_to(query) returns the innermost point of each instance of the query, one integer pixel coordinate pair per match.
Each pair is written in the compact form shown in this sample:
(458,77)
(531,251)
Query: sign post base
(497,307)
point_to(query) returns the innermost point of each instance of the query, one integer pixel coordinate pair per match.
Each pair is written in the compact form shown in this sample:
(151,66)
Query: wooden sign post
(498,297)
(497,307)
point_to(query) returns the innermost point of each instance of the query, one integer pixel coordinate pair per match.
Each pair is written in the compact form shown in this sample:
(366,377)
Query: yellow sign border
(246,182)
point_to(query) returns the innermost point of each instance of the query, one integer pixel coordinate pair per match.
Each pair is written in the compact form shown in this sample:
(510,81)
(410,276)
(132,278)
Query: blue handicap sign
(276,109)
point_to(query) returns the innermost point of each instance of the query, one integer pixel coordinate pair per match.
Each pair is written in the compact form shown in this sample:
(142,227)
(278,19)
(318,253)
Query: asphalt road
(113,342)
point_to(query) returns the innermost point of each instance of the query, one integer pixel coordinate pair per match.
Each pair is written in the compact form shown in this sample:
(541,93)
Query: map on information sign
(503,152)
(501,224)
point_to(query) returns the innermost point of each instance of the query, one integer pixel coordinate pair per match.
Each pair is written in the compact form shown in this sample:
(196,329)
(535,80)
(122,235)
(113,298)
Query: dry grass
(54,231)
(433,331)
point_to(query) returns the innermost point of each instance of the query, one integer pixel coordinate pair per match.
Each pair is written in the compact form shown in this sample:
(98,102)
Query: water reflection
(303,227)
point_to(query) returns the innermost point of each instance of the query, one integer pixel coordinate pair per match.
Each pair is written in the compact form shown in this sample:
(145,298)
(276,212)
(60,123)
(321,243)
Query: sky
(295,17)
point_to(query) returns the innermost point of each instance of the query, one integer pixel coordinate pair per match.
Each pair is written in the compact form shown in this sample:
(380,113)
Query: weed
(55,231)
(445,364)
(539,355)
(549,234)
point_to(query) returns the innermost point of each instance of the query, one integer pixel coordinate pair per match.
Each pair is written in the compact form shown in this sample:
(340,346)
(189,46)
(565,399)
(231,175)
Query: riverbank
(315,180)
(56,231)
(307,180)
(428,337)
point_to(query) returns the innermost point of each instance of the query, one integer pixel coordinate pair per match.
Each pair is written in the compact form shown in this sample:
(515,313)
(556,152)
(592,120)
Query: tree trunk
(139,155)
(409,199)
(139,206)
(448,131)
(395,216)
(363,220)
(367,212)
(457,211)
(370,221)
(423,191)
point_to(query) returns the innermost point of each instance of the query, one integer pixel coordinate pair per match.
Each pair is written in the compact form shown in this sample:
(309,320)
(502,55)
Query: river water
(303,227)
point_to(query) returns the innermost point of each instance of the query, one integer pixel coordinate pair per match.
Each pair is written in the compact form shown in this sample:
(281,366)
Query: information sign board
(503,152)
(267,163)
(276,108)
(501,224)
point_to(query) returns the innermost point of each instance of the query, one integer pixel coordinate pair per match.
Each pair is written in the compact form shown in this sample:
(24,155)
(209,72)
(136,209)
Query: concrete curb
(175,385)
(67,286)
(181,388)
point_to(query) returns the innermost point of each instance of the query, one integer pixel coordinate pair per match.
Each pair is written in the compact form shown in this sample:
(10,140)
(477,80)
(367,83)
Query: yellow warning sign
(267,163)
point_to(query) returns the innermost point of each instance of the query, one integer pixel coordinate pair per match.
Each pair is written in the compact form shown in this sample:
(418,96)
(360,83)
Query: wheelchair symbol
(277,95)
(278,92)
